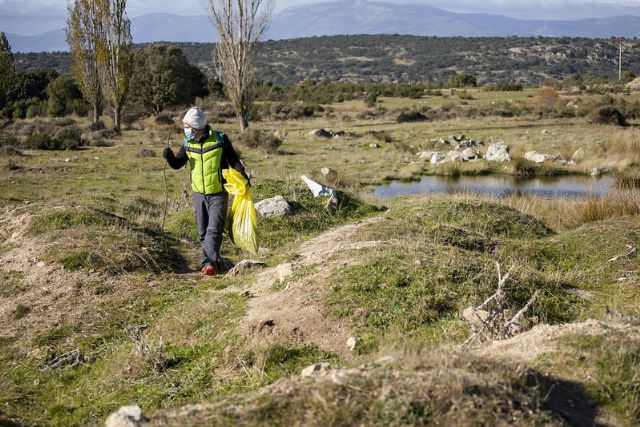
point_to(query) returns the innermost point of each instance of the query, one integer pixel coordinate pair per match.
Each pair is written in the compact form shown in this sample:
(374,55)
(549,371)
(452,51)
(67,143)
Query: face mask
(189,133)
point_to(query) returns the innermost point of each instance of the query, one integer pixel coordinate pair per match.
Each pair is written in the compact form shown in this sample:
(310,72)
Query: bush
(164,119)
(254,138)
(411,116)
(7,140)
(608,116)
(40,141)
(547,97)
(69,138)
(37,109)
(146,152)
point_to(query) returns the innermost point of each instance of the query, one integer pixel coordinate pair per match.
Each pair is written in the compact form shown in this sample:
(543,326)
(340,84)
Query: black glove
(167,153)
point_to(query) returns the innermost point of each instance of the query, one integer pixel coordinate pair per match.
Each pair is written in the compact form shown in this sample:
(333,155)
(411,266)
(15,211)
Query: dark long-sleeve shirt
(229,156)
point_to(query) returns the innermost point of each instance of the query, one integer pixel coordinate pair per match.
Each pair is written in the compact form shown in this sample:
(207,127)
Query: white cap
(195,118)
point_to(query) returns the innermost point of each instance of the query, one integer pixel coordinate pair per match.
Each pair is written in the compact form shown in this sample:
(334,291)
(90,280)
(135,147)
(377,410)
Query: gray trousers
(211,213)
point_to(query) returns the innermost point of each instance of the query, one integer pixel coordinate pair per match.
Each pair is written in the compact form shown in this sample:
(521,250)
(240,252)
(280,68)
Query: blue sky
(29,17)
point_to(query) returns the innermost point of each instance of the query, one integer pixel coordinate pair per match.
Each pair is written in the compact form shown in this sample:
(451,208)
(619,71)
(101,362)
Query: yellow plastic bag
(241,224)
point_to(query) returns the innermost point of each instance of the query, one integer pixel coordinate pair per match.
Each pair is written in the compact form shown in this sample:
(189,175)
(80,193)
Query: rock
(243,266)
(284,271)
(545,131)
(534,156)
(425,155)
(579,155)
(453,157)
(470,154)
(437,157)
(127,416)
(571,163)
(273,207)
(321,133)
(474,317)
(264,251)
(328,172)
(374,145)
(315,369)
(351,343)
(498,152)
(319,190)
(595,172)
(340,134)
(453,141)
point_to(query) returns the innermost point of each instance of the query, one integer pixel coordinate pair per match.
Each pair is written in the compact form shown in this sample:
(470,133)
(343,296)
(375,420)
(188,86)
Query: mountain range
(355,17)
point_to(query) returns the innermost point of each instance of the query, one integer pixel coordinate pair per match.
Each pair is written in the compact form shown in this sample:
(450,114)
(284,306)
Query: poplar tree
(85,36)
(240,24)
(115,55)
(7,70)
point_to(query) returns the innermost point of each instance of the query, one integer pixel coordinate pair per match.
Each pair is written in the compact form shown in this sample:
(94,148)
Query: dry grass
(615,203)
(425,388)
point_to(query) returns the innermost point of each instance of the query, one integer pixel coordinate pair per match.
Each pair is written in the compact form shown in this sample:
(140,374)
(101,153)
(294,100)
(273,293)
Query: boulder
(498,152)
(374,145)
(595,172)
(315,369)
(321,133)
(351,343)
(579,155)
(425,155)
(284,271)
(437,157)
(127,416)
(470,154)
(534,156)
(453,157)
(273,207)
(340,134)
(453,140)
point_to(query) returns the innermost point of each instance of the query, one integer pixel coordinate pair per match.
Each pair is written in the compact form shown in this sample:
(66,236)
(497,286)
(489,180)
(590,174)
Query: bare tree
(85,36)
(240,25)
(115,56)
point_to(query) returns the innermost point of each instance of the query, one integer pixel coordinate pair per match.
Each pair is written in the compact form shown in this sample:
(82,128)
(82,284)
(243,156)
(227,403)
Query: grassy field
(101,305)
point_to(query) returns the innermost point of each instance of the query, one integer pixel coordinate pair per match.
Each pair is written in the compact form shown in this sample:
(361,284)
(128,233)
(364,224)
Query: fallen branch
(494,324)
(69,360)
(633,250)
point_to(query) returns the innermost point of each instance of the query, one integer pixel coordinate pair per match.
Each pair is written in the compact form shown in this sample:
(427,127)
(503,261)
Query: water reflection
(500,186)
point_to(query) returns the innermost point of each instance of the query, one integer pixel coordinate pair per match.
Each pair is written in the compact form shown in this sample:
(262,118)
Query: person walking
(207,151)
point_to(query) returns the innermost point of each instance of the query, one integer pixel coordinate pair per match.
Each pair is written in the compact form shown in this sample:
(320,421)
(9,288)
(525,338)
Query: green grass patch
(614,362)
(489,219)
(310,216)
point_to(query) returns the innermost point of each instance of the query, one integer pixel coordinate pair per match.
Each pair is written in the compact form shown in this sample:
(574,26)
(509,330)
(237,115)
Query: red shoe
(209,270)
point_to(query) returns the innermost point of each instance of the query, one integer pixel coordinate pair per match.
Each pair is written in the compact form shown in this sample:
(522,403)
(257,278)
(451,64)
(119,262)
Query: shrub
(547,97)
(40,141)
(411,116)
(7,140)
(37,109)
(254,138)
(69,138)
(164,119)
(145,152)
(608,116)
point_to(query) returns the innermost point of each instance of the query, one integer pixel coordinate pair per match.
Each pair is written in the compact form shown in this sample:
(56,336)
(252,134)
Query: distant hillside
(348,17)
(410,58)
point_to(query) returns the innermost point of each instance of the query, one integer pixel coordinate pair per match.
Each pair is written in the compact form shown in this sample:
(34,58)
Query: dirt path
(293,311)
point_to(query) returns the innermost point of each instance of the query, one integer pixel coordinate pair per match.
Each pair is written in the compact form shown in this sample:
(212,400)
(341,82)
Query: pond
(500,186)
